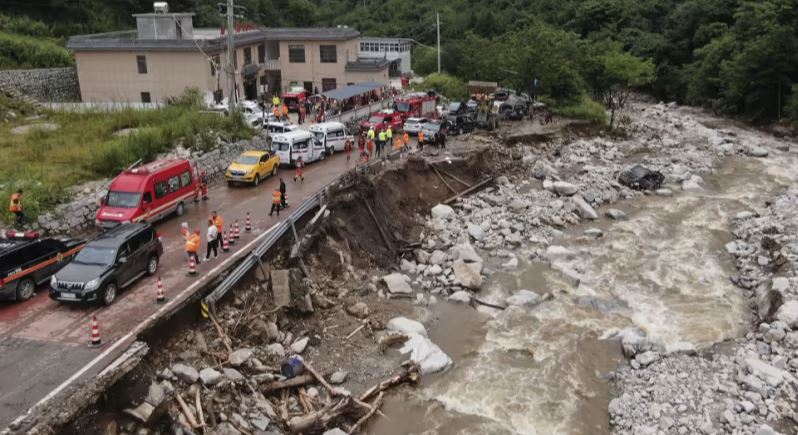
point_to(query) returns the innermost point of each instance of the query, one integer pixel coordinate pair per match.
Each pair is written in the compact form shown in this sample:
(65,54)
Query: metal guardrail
(278,232)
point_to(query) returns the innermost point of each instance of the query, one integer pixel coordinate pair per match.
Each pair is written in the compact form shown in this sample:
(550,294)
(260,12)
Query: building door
(328,85)
(308,87)
(251,88)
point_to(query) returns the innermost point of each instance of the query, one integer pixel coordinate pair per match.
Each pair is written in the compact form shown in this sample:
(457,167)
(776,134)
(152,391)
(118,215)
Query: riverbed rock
(465,252)
(185,373)
(646,358)
(639,177)
(359,310)
(583,208)
(523,298)
(427,354)
(466,276)
(143,413)
(766,372)
(210,377)
(338,377)
(438,257)
(300,345)
(407,266)
(398,283)
(615,214)
(275,349)
(442,211)
(156,394)
(461,296)
(563,188)
(788,313)
(404,325)
(334,431)
(757,151)
(476,232)
(422,256)
(232,375)
(240,356)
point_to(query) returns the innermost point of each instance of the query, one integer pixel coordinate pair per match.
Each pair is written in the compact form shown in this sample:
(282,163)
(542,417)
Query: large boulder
(403,325)
(427,354)
(583,208)
(564,188)
(466,275)
(639,177)
(465,252)
(523,298)
(476,232)
(398,283)
(788,313)
(442,211)
(438,257)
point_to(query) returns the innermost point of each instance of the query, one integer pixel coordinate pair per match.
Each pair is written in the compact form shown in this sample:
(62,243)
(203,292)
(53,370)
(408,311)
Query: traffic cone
(236,233)
(247,224)
(225,244)
(285,199)
(95,340)
(159,296)
(192,266)
(231,239)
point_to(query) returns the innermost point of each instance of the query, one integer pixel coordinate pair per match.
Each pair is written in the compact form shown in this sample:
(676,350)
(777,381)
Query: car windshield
(319,135)
(403,107)
(94,255)
(432,127)
(376,119)
(454,107)
(247,160)
(279,146)
(290,100)
(122,199)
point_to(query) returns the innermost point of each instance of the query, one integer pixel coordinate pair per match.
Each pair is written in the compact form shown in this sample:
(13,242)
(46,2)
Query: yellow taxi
(252,167)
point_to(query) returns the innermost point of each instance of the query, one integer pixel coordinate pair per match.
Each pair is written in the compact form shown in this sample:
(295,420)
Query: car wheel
(460,131)
(109,294)
(256,181)
(274,171)
(180,209)
(323,156)
(152,265)
(25,289)
(229,184)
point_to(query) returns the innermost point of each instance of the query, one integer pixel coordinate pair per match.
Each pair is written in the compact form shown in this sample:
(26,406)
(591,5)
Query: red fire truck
(416,104)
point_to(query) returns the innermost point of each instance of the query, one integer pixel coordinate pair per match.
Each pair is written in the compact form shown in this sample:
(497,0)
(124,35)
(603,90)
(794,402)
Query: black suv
(27,261)
(110,262)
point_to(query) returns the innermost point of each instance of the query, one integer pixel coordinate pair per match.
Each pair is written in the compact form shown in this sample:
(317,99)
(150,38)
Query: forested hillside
(739,57)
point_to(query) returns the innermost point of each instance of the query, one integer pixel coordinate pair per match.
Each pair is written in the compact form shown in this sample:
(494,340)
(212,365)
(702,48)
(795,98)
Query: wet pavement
(43,343)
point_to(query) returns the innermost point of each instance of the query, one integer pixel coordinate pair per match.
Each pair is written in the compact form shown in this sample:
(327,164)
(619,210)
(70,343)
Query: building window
(327,85)
(362,46)
(145,97)
(328,54)
(247,55)
(296,53)
(262,53)
(142,63)
(214,65)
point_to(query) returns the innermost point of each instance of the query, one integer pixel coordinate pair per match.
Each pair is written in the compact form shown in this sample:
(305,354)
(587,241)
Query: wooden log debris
(374,408)
(298,381)
(469,190)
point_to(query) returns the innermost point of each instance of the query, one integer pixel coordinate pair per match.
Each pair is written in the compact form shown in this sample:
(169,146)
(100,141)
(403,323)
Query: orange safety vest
(192,242)
(276,197)
(420,137)
(219,222)
(285,110)
(397,143)
(15,205)
(276,112)
(405,138)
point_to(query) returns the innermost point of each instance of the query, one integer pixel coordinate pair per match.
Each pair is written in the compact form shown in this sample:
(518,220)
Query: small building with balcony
(395,50)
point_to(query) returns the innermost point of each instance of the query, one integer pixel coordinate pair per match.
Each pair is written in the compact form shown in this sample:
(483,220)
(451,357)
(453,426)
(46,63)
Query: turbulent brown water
(543,370)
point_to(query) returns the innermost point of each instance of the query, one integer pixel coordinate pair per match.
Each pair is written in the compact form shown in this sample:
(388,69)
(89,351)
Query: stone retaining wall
(43,85)
(78,216)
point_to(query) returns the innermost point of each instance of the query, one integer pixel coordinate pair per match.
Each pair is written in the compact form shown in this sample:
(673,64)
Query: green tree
(622,72)
(791,109)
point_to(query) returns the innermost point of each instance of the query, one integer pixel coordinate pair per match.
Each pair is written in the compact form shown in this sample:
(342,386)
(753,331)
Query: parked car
(295,98)
(295,144)
(27,261)
(148,193)
(382,120)
(332,134)
(433,131)
(414,125)
(107,264)
(462,124)
(514,108)
(251,167)
(278,127)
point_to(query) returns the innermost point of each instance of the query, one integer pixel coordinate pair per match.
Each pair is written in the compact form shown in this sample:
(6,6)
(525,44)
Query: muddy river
(544,370)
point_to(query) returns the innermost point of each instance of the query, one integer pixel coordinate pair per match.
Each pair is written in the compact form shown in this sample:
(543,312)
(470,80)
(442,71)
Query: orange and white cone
(236,230)
(95,340)
(159,296)
(247,224)
(230,238)
(192,266)
(225,243)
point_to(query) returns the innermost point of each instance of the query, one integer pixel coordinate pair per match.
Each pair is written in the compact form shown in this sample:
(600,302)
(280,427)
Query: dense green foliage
(738,57)
(26,43)
(90,146)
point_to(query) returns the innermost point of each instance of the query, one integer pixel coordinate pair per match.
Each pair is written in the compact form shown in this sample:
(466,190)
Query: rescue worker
(192,245)
(285,112)
(204,185)
(420,140)
(300,165)
(370,134)
(370,149)
(213,242)
(275,100)
(405,139)
(302,113)
(277,198)
(16,207)
(397,145)
(283,203)
(388,136)
(219,222)
(276,112)
(361,143)
(381,142)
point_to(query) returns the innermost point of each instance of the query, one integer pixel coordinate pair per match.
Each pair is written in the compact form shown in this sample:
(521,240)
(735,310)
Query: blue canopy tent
(354,90)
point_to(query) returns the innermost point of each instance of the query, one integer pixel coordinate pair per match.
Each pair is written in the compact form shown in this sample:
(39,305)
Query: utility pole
(438,20)
(231,66)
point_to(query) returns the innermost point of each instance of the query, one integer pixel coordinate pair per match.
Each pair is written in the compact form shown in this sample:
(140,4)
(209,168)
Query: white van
(277,127)
(292,145)
(333,133)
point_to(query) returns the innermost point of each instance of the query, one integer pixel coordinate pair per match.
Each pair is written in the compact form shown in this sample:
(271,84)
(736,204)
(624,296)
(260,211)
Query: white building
(396,50)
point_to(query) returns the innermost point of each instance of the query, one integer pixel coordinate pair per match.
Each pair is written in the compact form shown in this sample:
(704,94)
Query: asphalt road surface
(43,343)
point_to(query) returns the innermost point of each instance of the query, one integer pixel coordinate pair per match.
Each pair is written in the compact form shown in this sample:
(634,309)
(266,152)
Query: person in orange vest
(219,222)
(16,207)
(348,149)
(203,186)
(405,139)
(420,140)
(276,112)
(285,112)
(192,245)
(397,144)
(277,198)
(302,114)
(300,164)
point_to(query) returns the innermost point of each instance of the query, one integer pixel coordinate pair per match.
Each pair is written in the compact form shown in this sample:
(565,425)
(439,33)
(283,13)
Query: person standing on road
(275,100)
(420,140)
(302,114)
(283,202)
(192,245)
(361,142)
(348,149)
(16,207)
(219,222)
(204,185)
(381,142)
(285,112)
(277,197)
(405,139)
(370,135)
(388,137)
(300,165)
(212,243)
